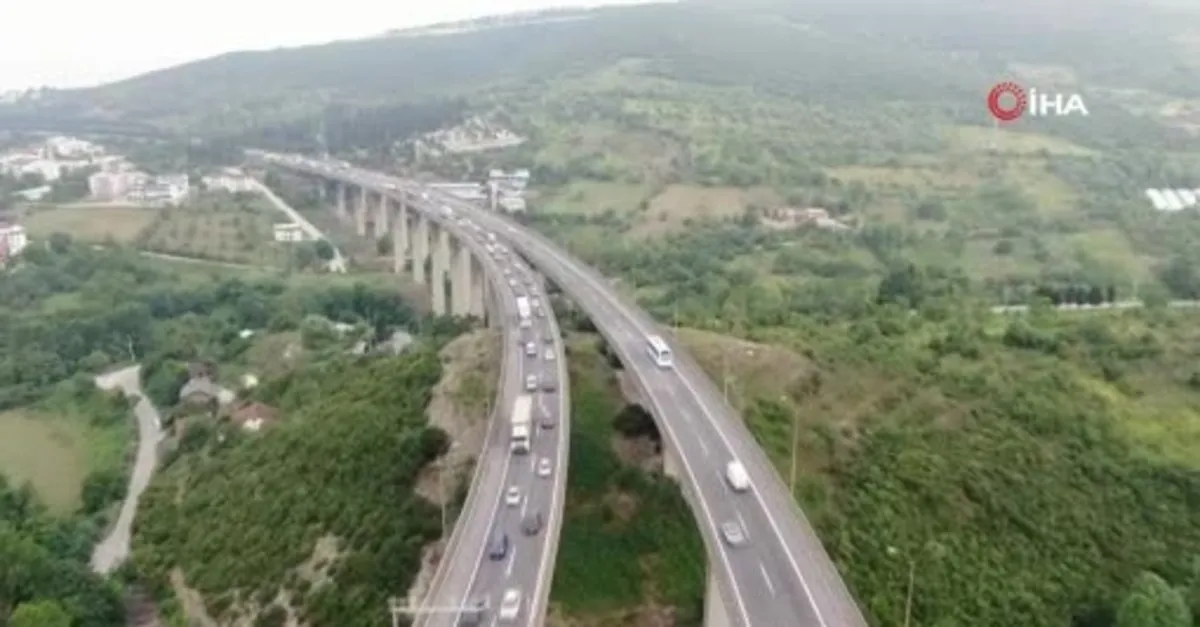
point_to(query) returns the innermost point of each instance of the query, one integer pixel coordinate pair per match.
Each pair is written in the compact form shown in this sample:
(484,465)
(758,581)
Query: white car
(549,354)
(512,497)
(544,469)
(733,533)
(510,605)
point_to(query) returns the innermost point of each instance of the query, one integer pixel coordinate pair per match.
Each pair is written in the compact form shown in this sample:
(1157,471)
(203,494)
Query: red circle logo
(1012,111)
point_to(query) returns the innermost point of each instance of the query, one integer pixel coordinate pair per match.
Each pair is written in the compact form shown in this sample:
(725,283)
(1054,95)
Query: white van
(530,349)
(735,474)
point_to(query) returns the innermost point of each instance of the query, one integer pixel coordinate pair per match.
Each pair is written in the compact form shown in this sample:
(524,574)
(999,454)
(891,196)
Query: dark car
(473,616)
(549,420)
(549,384)
(498,547)
(532,524)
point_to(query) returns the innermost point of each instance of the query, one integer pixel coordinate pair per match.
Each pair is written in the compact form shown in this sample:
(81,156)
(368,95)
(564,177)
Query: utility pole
(442,491)
(912,573)
(725,376)
(795,436)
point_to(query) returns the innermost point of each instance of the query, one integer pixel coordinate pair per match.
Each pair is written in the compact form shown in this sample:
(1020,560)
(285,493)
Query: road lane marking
(524,506)
(703,446)
(512,560)
(599,287)
(603,300)
(742,522)
(762,568)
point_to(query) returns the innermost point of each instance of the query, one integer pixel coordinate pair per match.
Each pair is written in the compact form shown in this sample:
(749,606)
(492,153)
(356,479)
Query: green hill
(315,520)
(936,51)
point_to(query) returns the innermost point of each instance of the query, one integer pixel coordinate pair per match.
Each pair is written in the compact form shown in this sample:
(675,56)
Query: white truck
(523,312)
(522,424)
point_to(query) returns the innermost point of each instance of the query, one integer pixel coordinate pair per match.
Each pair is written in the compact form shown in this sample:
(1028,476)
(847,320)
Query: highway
(468,575)
(782,574)
(528,564)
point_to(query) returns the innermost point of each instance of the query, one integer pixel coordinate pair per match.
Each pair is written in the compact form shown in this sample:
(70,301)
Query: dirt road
(114,548)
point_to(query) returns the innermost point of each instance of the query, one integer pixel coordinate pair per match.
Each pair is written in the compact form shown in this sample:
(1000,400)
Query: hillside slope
(937,51)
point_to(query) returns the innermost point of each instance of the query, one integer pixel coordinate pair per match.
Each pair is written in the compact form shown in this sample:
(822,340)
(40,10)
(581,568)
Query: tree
(40,614)
(324,250)
(1153,603)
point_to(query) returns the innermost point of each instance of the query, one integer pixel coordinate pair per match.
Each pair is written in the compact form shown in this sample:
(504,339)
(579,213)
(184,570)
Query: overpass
(780,575)
(470,272)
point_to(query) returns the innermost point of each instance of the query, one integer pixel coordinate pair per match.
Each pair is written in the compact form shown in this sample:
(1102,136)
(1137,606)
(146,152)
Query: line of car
(500,545)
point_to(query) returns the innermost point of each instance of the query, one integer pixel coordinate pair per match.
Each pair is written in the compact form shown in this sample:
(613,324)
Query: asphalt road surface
(469,575)
(114,548)
(782,574)
(528,566)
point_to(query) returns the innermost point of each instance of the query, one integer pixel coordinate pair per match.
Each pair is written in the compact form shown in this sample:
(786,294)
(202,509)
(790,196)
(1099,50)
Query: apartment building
(169,189)
(13,240)
(114,185)
(289,232)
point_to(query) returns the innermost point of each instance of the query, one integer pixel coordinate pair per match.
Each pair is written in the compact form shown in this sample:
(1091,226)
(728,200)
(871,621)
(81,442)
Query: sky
(78,43)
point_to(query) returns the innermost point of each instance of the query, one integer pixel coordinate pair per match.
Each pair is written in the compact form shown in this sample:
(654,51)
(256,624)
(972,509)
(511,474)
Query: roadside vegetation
(629,552)
(340,530)
(220,226)
(70,311)
(1036,470)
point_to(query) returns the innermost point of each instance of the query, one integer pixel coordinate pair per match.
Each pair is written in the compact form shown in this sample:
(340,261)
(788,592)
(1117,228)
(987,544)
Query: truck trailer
(522,424)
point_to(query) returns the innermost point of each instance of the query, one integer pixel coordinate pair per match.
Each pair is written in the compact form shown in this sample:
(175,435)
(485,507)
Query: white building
(1173,199)
(289,232)
(13,240)
(516,181)
(34,193)
(466,191)
(511,204)
(169,189)
(229,182)
(113,185)
(71,147)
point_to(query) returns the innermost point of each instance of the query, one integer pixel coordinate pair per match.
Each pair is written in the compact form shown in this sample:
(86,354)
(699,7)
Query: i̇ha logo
(1008,101)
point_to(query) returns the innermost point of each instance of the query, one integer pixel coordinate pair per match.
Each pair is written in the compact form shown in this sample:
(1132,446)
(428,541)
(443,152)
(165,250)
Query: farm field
(220,227)
(55,453)
(90,223)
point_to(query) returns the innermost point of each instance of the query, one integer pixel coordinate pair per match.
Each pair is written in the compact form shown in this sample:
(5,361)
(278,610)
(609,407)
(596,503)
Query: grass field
(221,227)
(55,453)
(93,224)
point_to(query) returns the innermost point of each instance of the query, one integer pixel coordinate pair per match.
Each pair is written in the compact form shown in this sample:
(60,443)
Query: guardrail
(541,600)
(500,408)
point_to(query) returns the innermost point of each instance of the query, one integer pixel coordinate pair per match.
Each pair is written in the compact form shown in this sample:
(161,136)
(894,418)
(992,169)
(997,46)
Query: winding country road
(114,548)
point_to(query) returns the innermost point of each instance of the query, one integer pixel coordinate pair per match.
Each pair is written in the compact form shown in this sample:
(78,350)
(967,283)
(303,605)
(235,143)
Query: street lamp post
(912,574)
(935,551)
(795,436)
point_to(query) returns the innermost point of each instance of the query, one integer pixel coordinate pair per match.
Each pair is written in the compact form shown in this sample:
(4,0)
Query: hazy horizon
(105,42)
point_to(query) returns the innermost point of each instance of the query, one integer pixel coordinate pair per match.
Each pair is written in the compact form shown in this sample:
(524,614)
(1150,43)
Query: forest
(70,311)
(45,580)
(316,519)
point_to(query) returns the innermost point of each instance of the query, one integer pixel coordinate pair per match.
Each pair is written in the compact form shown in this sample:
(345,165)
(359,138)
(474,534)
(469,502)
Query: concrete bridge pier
(441,271)
(381,216)
(462,281)
(399,238)
(420,248)
(715,614)
(479,291)
(360,212)
(343,212)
